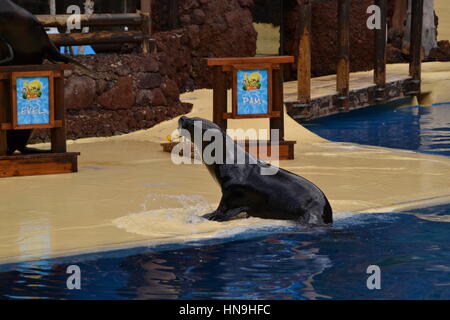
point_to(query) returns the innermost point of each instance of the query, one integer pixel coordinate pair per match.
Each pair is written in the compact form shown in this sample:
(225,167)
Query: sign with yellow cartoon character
(252,92)
(32,100)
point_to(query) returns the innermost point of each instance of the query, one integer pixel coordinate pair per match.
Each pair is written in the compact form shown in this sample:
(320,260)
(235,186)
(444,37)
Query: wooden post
(398,16)
(220,99)
(58,135)
(4,106)
(173,14)
(278,101)
(304,55)
(380,52)
(343,66)
(282,27)
(415,66)
(146,11)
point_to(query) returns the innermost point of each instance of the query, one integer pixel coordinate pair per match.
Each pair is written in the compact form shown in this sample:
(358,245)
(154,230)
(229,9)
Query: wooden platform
(363,93)
(38,164)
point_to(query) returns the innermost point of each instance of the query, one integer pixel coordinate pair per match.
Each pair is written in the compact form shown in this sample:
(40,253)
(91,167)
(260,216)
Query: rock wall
(324,36)
(207,28)
(127,92)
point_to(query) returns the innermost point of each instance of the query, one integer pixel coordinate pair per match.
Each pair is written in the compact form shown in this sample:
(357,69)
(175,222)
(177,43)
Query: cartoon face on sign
(252,82)
(33,104)
(32,90)
(253,92)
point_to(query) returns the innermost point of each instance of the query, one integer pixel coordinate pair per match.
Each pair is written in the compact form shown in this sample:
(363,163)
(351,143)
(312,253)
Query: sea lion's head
(189,127)
(202,132)
(204,125)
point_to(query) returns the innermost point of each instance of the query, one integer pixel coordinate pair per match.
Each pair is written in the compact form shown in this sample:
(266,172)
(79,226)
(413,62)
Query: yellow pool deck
(128,193)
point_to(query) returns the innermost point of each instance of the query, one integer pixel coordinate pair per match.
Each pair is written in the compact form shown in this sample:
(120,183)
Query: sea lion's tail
(56,57)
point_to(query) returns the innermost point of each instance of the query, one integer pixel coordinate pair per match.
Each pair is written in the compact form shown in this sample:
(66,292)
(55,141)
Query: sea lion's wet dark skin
(24,41)
(283,195)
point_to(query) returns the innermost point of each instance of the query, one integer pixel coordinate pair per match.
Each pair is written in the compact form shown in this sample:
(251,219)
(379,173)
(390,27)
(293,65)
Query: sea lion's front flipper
(10,53)
(227,215)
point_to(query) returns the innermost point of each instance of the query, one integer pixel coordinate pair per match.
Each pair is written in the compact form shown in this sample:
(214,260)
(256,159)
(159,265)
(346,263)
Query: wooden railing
(141,20)
(343,64)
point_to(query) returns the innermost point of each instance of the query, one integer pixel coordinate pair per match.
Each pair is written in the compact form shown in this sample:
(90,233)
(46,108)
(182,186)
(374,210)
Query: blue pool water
(412,249)
(419,128)
(413,254)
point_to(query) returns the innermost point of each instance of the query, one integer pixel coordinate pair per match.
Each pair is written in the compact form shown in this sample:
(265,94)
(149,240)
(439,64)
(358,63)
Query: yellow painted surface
(128,192)
(442,8)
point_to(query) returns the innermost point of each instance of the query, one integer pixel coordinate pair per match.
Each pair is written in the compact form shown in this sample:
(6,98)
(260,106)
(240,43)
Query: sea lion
(24,41)
(282,195)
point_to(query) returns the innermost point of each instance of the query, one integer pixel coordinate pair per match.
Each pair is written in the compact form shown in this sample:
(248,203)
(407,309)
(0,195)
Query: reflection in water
(425,129)
(413,253)
(34,238)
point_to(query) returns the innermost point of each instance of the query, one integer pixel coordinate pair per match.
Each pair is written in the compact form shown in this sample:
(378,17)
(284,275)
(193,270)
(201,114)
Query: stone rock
(121,96)
(80,92)
(198,16)
(441,53)
(394,55)
(147,80)
(170,89)
(144,98)
(158,98)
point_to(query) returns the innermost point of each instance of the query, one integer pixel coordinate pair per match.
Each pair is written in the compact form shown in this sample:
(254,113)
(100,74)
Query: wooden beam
(278,102)
(415,66)
(343,66)
(90,20)
(380,47)
(58,134)
(4,107)
(304,54)
(220,99)
(398,17)
(282,27)
(146,11)
(252,60)
(5,70)
(104,37)
(173,14)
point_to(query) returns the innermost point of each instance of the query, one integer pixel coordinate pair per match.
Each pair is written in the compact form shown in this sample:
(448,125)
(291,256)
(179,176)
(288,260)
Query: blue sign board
(252,92)
(33,101)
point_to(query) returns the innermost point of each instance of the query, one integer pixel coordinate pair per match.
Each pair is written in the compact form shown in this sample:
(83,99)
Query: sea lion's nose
(183,121)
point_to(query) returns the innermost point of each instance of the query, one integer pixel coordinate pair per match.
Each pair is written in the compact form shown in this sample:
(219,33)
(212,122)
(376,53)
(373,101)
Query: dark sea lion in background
(24,41)
(283,195)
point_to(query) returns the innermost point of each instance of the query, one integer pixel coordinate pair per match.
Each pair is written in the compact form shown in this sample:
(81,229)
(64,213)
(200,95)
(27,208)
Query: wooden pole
(220,99)
(415,66)
(105,19)
(380,47)
(343,66)
(146,11)
(304,56)
(173,14)
(104,37)
(278,101)
(282,27)
(4,106)
(380,53)
(58,135)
